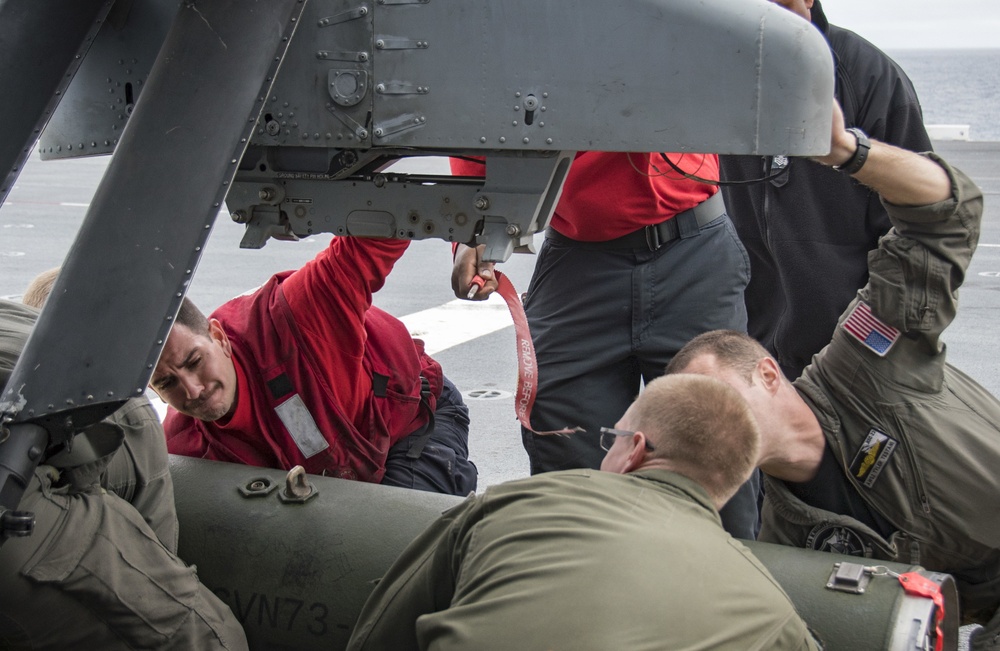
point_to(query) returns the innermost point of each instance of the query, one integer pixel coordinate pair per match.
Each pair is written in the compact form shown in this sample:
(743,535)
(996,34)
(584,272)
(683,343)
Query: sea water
(957,87)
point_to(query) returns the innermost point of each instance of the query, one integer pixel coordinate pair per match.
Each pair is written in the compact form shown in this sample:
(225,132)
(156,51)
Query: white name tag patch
(302,426)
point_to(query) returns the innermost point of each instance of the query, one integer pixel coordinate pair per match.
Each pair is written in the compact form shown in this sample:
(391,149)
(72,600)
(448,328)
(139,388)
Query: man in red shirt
(637,257)
(305,371)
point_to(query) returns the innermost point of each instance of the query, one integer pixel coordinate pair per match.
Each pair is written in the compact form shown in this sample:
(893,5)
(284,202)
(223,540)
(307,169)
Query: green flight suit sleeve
(420,581)
(915,273)
(140,471)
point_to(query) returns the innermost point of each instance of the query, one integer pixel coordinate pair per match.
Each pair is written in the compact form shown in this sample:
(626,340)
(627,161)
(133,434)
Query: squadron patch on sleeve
(871,331)
(872,456)
(837,539)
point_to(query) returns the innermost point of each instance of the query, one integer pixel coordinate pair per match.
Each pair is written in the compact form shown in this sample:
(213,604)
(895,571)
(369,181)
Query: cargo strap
(527,374)
(417,448)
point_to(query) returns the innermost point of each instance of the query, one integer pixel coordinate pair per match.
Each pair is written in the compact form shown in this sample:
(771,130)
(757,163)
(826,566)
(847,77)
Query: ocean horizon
(956,86)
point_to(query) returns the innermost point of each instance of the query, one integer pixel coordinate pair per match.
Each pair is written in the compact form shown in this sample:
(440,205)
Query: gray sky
(931,24)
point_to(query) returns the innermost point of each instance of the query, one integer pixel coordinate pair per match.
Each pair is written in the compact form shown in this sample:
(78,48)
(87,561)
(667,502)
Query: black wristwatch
(857,160)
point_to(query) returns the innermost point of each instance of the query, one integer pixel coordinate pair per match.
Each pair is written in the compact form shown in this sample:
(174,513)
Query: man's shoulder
(136,413)
(551,487)
(586,484)
(16,322)
(549,480)
(847,43)
(185,435)
(252,318)
(237,309)
(862,60)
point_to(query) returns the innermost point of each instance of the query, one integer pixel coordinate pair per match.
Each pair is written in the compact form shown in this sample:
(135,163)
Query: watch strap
(857,160)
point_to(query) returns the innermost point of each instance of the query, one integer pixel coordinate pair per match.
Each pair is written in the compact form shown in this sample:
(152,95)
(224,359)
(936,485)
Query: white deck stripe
(457,322)
(72,204)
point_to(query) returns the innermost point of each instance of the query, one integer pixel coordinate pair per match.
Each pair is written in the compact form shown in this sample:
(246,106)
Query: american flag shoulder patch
(874,333)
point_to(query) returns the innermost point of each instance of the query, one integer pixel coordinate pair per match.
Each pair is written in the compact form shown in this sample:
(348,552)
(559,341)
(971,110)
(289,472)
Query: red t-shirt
(610,194)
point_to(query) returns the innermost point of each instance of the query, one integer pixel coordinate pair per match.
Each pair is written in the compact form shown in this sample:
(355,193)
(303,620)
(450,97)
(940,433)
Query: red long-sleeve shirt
(309,344)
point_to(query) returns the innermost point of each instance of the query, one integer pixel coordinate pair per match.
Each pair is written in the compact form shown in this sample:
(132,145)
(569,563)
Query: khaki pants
(93,575)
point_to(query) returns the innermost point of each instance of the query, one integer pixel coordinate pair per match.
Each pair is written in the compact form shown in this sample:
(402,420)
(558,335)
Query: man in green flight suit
(632,558)
(100,570)
(880,448)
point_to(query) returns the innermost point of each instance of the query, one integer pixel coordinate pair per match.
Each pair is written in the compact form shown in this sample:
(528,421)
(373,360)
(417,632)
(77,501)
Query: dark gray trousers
(606,320)
(442,465)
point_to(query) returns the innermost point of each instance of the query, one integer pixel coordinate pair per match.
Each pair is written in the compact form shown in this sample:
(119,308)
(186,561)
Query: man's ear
(637,454)
(769,374)
(219,336)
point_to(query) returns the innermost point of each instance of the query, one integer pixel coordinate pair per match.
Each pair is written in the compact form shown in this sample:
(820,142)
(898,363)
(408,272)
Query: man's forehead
(181,342)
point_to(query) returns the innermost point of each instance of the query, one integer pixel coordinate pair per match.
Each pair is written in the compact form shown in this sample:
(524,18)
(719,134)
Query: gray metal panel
(311,103)
(124,277)
(625,75)
(520,77)
(514,201)
(615,75)
(41,46)
(96,106)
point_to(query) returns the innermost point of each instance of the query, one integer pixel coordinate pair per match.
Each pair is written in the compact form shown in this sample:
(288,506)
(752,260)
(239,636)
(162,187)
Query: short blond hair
(702,428)
(38,290)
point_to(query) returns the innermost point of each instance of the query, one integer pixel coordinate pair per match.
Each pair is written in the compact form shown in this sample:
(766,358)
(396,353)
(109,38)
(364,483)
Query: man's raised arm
(901,177)
(914,274)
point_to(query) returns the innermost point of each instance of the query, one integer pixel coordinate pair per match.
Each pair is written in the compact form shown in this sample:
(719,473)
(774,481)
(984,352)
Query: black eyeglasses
(609,434)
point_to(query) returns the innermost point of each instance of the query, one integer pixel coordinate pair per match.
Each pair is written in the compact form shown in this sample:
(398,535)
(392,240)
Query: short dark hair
(192,318)
(702,428)
(735,350)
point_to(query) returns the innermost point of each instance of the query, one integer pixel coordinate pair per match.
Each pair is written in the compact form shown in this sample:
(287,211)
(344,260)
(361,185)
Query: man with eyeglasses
(609,435)
(635,557)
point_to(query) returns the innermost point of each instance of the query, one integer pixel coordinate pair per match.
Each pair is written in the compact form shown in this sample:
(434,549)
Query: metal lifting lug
(297,486)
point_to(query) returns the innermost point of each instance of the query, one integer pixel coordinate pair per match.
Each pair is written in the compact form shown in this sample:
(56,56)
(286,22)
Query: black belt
(681,226)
